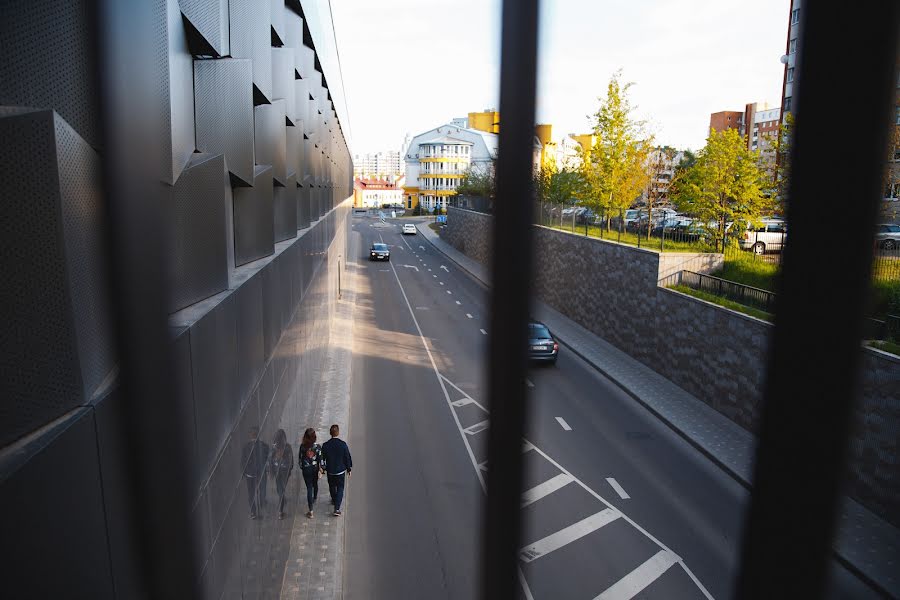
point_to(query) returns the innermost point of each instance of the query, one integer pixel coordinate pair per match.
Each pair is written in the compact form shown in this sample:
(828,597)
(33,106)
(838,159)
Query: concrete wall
(716,354)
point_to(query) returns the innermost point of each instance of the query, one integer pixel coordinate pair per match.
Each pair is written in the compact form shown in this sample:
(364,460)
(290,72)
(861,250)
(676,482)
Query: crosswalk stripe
(473,429)
(634,583)
(462,402)
(573,532)
(545,489)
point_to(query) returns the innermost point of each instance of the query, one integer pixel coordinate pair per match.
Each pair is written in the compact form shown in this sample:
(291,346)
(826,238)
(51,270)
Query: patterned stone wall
(716,354)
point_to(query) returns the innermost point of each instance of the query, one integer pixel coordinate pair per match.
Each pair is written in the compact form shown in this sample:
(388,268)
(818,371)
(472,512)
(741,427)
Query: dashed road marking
(528,383)
(469,316)
(477,427)
(619,489)
(459,303)
(545,489)
(563,424)
(449,292)
(483,332)
(462,402)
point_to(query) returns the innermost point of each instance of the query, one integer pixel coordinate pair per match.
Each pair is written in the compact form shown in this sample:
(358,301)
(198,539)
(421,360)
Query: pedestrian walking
(254,458)
(281,463)
(311,465)
(338,465)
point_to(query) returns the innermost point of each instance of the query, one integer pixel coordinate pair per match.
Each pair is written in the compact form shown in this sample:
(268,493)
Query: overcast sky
(410,65)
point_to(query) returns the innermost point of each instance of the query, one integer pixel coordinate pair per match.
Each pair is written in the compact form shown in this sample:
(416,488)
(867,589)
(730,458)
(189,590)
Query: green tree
(723,186)
(555,186)
(659,160)
(614,171)
(478,181)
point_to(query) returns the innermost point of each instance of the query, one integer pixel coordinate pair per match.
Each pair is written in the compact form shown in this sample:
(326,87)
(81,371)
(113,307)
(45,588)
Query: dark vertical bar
(812,369)
(151,434)
(510,273)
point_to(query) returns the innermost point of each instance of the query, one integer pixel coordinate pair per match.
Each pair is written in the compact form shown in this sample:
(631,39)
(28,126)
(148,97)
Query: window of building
(787,104)
(792,46)
(790,74)
(795,16)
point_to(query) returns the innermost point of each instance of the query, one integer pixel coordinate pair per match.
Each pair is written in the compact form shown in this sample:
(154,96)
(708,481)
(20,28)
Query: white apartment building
(377,164)
(661,164)
(437,160)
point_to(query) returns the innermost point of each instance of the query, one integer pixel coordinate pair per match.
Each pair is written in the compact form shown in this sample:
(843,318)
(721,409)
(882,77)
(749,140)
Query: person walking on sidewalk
(311,465)
(281,463)
(338,465)
(254,458)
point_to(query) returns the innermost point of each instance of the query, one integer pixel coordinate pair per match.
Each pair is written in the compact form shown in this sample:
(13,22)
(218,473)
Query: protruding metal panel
(250,360)
(251,37)
(56,345)
(285,207)
(301,100)
(209,18)
(198,262)
(277,10)
(269,138)
(52,46)
(302,206)
(254,223)
(223,105)
(175,101)
(283,80)
(293,134)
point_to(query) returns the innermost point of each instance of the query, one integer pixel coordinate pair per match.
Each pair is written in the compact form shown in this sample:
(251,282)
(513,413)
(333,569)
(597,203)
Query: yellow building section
(436,175)
(411,196)
(442,193)
(444,160)
(586,141)
(487,121)
(544,134)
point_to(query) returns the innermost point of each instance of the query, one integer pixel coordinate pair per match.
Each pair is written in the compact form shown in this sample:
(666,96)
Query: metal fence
(745,294)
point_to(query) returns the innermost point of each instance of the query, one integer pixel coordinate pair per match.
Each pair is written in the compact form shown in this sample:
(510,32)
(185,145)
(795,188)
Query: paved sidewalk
(866,544)
(314,569)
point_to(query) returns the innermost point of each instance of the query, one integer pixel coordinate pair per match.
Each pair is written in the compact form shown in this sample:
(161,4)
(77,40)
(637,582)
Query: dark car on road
(541,344)
(379,252)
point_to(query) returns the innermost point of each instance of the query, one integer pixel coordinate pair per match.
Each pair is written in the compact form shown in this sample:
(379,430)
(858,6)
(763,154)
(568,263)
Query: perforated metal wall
(285,210)
(254,222)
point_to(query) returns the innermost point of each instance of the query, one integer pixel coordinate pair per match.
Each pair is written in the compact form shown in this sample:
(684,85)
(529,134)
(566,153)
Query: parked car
(770,236)
(541,344)
(380,252)
(409,228)
(887,236)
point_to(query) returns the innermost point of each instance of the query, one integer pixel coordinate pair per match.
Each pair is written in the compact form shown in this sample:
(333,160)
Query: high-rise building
(789,58)
(376,165)
(759,125)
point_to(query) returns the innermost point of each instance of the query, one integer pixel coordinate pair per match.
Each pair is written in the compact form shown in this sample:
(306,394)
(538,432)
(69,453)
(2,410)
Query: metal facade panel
(223,105)
(285,209)
(48,60)
(283,79)
(292,139)
(198,261)
(214,368)
(251,37)
(302,207)
(301,100)
(276,13)
(56,346)
(250,361)
(210,19)
(254,222)
(183,379)
(271,315)
(269,138)
(56,488)
(175,88)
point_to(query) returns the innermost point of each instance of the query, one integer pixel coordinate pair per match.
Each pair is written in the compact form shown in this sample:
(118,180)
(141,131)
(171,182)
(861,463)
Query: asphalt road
(617,504)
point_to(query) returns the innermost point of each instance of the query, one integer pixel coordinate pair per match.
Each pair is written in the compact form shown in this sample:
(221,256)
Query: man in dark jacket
(337,465)
(254,458)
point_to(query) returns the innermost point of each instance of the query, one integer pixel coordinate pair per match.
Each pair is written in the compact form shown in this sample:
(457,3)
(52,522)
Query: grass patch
(747,269)
(435,227)
(736,306)
(886,346)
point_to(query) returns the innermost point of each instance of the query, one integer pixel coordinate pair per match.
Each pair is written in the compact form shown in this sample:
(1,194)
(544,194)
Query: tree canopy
(724,185)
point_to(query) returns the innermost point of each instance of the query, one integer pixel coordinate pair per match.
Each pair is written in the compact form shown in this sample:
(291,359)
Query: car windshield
(539,331)
(379,247)
(892,228)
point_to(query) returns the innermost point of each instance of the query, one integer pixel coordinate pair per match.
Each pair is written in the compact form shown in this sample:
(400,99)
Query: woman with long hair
(311,465)
(281,463)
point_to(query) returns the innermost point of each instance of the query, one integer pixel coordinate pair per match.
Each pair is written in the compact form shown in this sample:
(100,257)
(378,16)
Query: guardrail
(745,294)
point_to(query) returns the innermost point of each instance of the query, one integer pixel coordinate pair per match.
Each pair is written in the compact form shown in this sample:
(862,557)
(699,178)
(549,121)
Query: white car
(409,228)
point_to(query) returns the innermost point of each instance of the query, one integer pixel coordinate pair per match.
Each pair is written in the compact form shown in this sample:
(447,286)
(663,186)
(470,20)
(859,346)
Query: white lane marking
(385,270)
(441,282)
(563,424)
(429,270)
(468,316)
(567,535)
(483,332)
(528,383)
(423,248)
(458,303)
(407,245)
(411,267)
(462,402)
(448,291)
(477,427)
(445,268)
(545,489)
(526,447)
(482,466)
(634,583)
(619,489)
(435,276)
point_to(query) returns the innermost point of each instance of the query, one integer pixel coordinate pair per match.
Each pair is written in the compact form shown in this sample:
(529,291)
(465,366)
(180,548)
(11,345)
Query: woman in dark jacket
(311,465)
(281,463)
